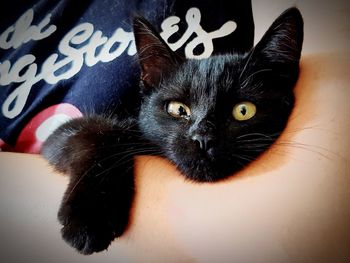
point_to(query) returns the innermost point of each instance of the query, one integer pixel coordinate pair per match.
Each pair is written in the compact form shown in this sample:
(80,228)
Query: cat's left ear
(155,56)
(282,43)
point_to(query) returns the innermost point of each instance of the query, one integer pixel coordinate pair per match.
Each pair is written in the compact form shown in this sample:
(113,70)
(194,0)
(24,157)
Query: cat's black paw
(96,205)
(86,239)
(91,221)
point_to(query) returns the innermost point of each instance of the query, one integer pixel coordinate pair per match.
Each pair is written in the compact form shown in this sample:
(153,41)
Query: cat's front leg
(97,154)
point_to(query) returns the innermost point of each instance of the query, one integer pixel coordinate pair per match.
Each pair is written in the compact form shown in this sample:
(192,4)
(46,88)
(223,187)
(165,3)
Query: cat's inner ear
(282,43)
(155,56)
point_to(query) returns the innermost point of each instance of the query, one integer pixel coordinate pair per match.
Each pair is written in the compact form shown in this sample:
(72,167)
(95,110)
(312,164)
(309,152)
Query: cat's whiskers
(243,157)
(261,135)
(116,145)
(321,151)
(261,144)
(130,153)
(249,145)
(315,127)
(126,158)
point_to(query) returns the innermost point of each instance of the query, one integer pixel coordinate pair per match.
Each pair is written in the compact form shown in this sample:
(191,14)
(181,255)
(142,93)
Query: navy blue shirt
(63,59)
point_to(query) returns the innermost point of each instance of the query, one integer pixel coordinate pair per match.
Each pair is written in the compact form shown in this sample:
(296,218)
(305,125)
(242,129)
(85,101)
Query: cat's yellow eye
(178,110)
(244,111)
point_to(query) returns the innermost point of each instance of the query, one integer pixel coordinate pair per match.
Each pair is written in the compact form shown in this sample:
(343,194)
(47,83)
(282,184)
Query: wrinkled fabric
(64,59)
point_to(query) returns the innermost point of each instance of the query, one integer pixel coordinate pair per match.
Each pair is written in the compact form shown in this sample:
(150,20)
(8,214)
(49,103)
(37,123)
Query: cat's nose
(205,143)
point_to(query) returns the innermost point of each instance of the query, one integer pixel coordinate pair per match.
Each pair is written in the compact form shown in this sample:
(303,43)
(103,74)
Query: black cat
(209,117)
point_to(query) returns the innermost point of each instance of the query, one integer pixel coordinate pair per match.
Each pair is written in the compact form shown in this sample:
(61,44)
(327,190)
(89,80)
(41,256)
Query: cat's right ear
(155,56)
(282,42)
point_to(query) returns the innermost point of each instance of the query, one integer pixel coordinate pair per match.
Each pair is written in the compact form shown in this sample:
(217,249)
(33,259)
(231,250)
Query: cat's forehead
(210,72)
(201,83)
(211,68)
(209,76)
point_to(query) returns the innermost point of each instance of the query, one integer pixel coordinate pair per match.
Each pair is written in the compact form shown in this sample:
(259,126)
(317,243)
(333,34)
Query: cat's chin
(203,170)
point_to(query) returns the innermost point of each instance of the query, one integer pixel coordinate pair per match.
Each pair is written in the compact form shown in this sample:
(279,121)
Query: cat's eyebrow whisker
(247,62)
(244,83)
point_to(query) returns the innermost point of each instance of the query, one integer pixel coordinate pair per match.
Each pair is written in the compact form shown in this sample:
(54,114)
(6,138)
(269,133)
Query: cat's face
(212,117)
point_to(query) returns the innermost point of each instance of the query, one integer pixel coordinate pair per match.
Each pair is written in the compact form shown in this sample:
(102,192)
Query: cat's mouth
(205,155)
(202,156)
(198,166)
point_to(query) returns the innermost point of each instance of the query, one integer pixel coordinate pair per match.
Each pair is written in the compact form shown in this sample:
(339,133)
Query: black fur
(97,152)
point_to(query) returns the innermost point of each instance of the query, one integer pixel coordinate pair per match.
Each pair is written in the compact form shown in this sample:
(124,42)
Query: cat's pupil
(243,110)
(182,111)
